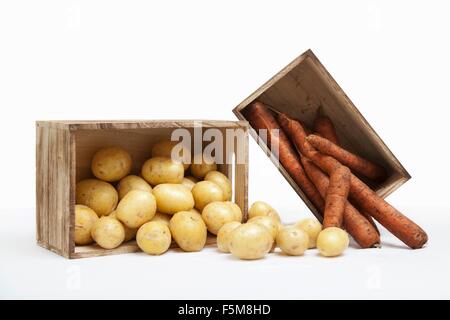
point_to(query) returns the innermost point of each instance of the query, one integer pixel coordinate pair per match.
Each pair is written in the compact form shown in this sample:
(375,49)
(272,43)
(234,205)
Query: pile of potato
(171,200)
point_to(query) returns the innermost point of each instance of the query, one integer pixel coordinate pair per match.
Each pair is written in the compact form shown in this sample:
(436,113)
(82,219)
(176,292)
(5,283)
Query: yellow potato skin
(154,238)
(132,182)
(164,148)
(312,227)
(130,233)
(136,208)
(162,218)
(223,236)
(236,209)
(250,241)
(85,218)
(111,164)
(98,195)
(205,192)
(292,240)
(188,230)
(222,181)
(188,183)
(261,208)
(160,170)
(332,242)
(172,198)
(201,166)
(216,214)
(271,224)
(108,233)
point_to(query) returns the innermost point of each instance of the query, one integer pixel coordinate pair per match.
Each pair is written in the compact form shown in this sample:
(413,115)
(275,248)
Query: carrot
(366,199)
(336,197)
(355,163)
(324,127)
(261,118)
(364,233)
(295,130)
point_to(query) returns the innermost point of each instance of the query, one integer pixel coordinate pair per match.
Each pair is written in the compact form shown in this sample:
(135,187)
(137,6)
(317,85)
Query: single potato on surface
(188,183)
(332,242)
(202,165)
(172,198)
(188,230)
(108,233)
(312,227)
(223,236)
(98,195)
(205,192)
(261,208)
(132,182)
(130,233)
(111,164)
(136,208)
(162,170)
(222,181)
(85,218)
(250,241)
(164,148)
(271,224)
(292,240)
(216,214)
(161,217)
(154,238)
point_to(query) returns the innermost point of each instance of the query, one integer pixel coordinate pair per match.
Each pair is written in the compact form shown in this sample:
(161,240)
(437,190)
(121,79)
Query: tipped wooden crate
(64,150)
(298,91)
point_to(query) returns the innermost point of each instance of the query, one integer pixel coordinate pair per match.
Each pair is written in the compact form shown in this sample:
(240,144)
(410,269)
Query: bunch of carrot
(326,173)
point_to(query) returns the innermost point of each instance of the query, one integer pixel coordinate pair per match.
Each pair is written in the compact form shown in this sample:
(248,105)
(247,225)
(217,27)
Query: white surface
(117,60)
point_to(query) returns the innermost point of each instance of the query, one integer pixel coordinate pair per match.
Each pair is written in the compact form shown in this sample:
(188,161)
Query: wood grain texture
(64,150)
(299,90)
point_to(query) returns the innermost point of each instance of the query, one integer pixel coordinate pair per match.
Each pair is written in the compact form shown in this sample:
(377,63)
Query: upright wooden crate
(64,150)
(298,91)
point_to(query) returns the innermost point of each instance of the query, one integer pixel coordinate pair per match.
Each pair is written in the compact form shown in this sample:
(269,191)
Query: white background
(199,59)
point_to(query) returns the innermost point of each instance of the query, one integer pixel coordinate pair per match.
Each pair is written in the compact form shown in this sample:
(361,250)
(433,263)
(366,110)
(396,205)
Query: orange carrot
(336,197)
(366,199)
(355,163)
(364,233)
(261,118)
(324,127)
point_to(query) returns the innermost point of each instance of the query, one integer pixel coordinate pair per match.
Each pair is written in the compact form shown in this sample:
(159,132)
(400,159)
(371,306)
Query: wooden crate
(298,90)
(64,150)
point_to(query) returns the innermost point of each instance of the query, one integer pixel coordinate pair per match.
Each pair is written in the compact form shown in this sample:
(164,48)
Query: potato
(312,227)
(161,217)
(108,232)
(188,183)
(162,170)
(236,209)
(98,195)
(132,182)
(332,242)
(154,238)
(271,224)
(172,198)
(205,192)
(130,233)
(164,148)
(216,214)
(292,240)
(250,241)
(136,208)
(111,164)
(222,181)
(261,208)
(85,218)
(188,230)
(202,165)
(223,236)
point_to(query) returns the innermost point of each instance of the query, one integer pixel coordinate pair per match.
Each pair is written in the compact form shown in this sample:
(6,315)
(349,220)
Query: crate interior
(138,142)
(302,88)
